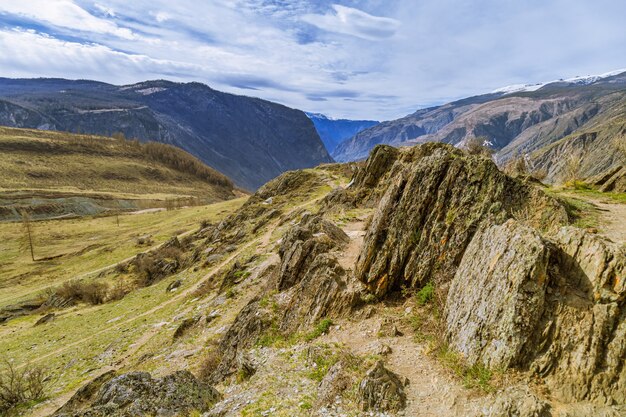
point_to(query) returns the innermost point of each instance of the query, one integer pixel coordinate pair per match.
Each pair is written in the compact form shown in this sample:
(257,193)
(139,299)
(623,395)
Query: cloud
(350,21)
(66,14)
(338,57)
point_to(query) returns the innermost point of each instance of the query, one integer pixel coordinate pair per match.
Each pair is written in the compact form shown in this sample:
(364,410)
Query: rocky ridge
(523,292)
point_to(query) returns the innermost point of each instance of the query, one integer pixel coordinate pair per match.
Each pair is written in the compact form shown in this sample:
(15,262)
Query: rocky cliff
(326,278)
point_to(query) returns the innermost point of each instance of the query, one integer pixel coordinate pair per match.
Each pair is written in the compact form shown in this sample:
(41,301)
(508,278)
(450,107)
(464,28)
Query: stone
(388,328)
(518,402)
(381,390)
(137,393)
(496,298)
(334,383)
(45,319)
(436,199)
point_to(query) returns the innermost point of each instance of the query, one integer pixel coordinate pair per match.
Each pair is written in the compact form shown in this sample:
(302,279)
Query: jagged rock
(518,402)
(381,390)
(174,285)
(246,367)
(554,307)
(302,243)
(496,298)
(138,394)
(334,383)
(616,183)
(436,200)
(317,285)
(251,322)
(580,344)
(45,319)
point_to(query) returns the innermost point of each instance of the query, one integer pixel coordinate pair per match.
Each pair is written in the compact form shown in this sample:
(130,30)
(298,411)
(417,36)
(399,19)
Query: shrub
(425,295)
(20,386)
(92,292)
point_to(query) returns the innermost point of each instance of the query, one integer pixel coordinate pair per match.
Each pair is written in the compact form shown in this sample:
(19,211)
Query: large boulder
(496,298)
(553,307)
(436,200)
(138,394)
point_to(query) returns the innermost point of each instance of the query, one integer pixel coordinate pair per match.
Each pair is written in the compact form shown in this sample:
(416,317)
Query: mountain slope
(334,131)
(517,123)
(54,174)
(248,139)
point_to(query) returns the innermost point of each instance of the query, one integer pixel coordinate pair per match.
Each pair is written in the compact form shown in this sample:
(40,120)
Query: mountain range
(248,139)
(334,131)
(543,123)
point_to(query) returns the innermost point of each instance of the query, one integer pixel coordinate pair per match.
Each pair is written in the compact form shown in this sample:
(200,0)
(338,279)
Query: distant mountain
(334,131)
(248,139)
(517,121)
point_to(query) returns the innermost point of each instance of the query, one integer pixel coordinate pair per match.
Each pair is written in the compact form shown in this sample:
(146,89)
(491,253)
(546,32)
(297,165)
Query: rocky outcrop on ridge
(436,199)
(553,306)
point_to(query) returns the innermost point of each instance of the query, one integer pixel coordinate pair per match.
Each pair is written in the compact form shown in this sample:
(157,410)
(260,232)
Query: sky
(359,59)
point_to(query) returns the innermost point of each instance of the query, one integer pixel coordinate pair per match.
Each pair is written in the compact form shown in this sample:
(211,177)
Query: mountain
(248,139)
(516,121)
(334,131)
(53,174)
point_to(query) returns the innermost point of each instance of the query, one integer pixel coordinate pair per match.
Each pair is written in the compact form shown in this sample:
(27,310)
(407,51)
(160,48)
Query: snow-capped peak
(318,116)
(583,80)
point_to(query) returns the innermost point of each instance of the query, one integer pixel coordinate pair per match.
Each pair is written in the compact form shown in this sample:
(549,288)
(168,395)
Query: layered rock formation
(436,199)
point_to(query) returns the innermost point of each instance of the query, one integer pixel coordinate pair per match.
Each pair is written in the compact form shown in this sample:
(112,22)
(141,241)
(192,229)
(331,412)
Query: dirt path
(613,218)
(432,390)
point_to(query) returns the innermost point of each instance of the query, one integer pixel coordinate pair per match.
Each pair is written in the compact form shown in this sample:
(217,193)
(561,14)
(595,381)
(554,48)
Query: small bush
(425,295)
(92,292)
(321,328)
(20,387)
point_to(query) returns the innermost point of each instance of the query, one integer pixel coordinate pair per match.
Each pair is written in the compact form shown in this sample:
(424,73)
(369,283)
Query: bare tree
(28,232)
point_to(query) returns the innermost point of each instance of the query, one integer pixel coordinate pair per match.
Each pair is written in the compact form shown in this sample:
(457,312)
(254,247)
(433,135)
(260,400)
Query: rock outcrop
(612,180)
(138,394)
(436,200)
(497,296)
(310,286)
(381,390)
(553,307)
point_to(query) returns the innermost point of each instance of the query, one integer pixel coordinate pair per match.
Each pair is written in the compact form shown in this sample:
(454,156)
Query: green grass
(425,294)
(321,328)
(87,244)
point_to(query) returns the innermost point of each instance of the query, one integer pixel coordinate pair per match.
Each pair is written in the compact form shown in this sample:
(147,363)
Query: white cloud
(162,16)
(350,21)
(426,52)
(65,14)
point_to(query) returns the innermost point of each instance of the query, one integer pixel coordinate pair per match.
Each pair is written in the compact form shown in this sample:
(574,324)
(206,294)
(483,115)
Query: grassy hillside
(56,161)
(54,175)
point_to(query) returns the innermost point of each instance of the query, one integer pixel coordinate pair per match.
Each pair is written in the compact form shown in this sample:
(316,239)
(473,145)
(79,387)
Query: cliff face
(248,139)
